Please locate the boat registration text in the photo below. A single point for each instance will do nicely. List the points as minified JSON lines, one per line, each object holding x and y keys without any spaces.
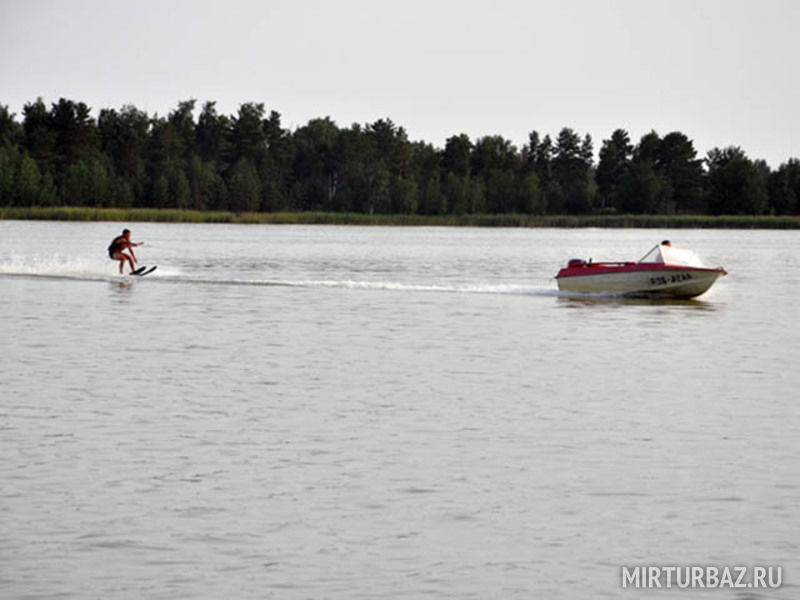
{"x":664,"y":280}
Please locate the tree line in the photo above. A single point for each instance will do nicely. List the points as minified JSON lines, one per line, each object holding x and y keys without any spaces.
{"x":249,"y":162}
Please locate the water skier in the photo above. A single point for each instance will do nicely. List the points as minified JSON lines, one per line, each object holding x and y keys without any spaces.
{"x":120,"y":243}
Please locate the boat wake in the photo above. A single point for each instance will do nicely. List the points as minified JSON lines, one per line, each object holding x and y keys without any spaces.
{"x":469,"y":288}
{"x":95,"y":273}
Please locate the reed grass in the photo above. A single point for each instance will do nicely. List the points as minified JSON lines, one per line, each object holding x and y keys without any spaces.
{"x":133,"y":215}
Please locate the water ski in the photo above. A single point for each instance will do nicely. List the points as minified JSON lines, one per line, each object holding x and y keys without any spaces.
{"x":142,"y":271}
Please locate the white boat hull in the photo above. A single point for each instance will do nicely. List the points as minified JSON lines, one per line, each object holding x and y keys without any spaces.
{"x":671,"y":282}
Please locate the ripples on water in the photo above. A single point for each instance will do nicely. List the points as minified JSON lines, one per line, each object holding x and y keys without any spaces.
{"x":331,"y":412}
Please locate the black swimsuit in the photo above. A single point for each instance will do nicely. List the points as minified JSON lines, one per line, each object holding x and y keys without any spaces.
{"x":116,"y":246}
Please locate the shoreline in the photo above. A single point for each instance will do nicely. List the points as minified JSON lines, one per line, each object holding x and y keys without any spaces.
{"x":144,"y":215}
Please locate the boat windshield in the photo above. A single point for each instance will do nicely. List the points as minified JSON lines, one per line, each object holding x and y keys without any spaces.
{"x":654,"y":256}
{"x":662,"y":254}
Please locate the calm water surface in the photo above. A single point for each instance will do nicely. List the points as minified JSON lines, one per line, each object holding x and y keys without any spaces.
{"x":336,"y":412}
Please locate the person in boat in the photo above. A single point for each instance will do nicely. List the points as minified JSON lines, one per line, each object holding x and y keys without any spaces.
{"x":117,"y":247}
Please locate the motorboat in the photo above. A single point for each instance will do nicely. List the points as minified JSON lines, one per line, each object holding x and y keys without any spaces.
{"x":665,"y":271}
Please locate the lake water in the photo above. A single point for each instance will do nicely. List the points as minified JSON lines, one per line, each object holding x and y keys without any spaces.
{"x":359,"y":413}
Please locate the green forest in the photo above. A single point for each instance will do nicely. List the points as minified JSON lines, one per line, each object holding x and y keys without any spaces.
{"x":248,"y":162}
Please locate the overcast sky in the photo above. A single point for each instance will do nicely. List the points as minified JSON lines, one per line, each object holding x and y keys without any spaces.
{"x":724,"y":72}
